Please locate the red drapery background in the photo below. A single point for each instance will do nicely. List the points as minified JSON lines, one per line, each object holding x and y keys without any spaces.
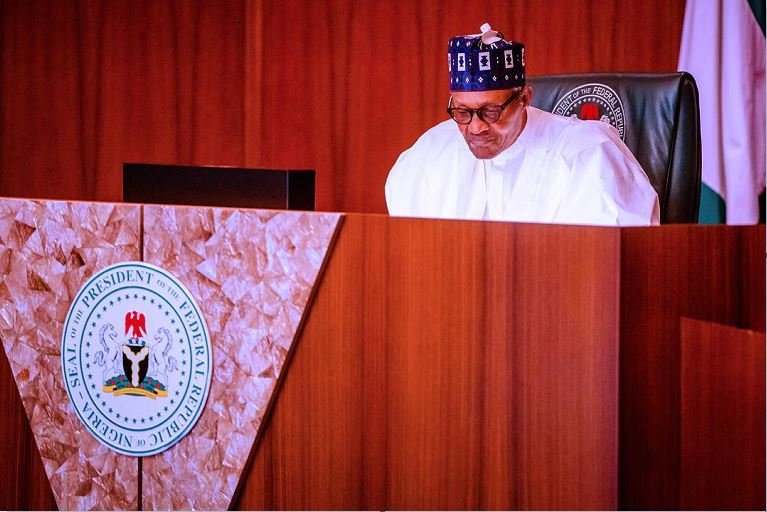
{"x":340,"y":86}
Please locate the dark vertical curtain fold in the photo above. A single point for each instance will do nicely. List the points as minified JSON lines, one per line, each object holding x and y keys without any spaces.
{"x":340,"y":86}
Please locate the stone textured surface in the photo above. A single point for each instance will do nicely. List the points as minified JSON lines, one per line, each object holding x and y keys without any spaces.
{"x":47,"y":251}
{"x":251,"y":273}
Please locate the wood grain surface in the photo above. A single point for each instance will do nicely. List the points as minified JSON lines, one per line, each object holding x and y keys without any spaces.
{"x":722,"y":417}
{"x":710,"y":273}
{"x":24,"y":485}
{"x":451,"y":365}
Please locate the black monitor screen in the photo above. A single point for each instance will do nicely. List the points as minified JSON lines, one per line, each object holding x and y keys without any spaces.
{"x":218,"y":186}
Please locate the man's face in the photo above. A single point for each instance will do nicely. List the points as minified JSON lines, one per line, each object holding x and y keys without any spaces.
{"x":487,"y":140}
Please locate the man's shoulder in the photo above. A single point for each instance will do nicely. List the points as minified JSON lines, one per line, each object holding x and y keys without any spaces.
{"x":433,"y":152}
{"x":569,"y":125}
{"x":434,"y":145}
{"x":444,"y":132}
{"x":570,"y":134}
{"x":437,"y":142}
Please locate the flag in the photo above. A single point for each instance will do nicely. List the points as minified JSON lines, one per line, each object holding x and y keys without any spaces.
{"x":723,"y":47}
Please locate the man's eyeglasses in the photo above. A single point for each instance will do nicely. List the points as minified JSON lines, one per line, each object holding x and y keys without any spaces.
{"x":488,"y":114}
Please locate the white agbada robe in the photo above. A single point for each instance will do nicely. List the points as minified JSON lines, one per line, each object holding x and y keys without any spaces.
{"x":559,"y":170}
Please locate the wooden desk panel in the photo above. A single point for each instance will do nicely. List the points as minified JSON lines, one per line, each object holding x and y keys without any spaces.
{"x":465,"y":365}
{"x":722,"y":417}
{"x":406,"y":391}
{"x":24,"y":485}
{"x":711,"y":273}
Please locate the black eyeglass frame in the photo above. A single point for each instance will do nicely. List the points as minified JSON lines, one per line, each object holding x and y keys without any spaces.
{"x":482,"y":111}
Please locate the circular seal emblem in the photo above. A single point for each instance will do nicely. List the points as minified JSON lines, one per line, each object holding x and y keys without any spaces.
{"x":596,"y":102}
{"x":136,"y":358}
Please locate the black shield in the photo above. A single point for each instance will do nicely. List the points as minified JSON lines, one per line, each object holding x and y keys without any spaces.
{"x":143,"y":364}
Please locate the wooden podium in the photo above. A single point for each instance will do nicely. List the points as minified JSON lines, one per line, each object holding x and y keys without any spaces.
{"x":483,"y":365}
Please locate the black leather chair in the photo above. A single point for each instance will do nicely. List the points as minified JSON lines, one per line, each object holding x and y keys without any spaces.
{"x":658,"y":118}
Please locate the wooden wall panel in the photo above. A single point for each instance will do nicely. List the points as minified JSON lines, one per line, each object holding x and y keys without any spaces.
{"x":711,"y":273}
{"x":723,"y":423}
{"x":341,"y":86}
{"x":424,"y":379}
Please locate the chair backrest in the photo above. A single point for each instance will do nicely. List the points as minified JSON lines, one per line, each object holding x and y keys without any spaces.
{"x":658,"y":118}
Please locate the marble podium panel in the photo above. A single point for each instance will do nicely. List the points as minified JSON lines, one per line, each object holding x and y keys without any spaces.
{"x":252,"y":273}
{"x":48,"y":249}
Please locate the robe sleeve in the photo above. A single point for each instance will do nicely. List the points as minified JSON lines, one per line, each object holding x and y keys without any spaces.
{"x":399,"y":184}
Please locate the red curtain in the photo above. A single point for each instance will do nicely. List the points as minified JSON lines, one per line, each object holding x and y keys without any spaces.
{"x":340,"y":86}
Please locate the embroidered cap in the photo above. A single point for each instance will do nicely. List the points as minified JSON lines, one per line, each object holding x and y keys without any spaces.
{"x":485,"y":62}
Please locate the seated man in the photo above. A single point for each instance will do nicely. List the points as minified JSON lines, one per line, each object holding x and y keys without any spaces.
{"x":501,"y":159}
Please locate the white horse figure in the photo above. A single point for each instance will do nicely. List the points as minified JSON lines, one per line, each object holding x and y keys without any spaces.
{"x":161,"y":362}
{"x":111,"y":356}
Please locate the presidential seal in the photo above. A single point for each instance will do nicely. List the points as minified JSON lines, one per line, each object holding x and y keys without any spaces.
{"x":596,"y":102}
{"x":136,"y":358}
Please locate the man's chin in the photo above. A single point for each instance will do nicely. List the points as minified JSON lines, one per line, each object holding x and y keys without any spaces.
{"x":483,"y":152}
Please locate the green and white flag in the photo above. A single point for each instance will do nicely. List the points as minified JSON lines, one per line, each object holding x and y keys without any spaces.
{"x":723,"y":46}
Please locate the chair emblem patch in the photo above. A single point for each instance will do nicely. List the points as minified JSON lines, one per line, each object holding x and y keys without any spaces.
{"x":596,"y":102}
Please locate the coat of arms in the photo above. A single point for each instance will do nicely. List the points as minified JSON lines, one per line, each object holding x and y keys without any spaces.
{"x":136,"y":367}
